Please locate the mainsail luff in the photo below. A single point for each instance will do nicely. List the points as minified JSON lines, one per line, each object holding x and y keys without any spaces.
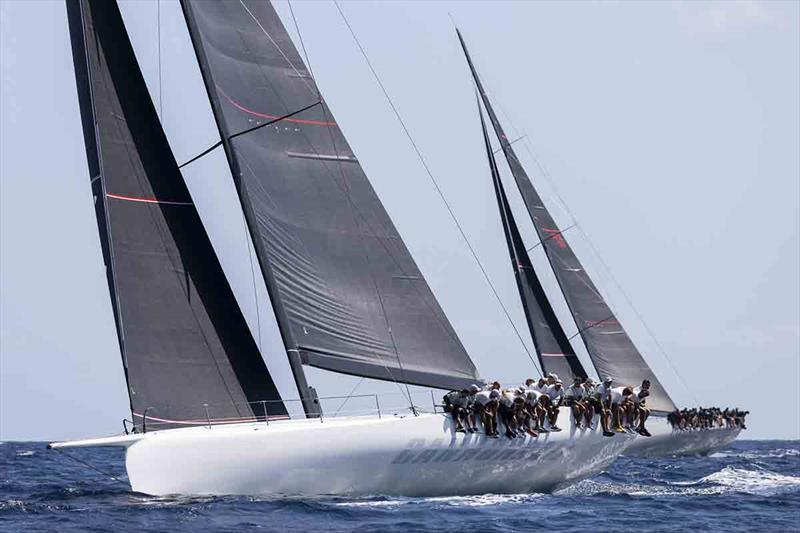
{"x":337,"y":268}
{"x":610,"y":348}
{"x":552,"y":346}
{"x":188,"y":352}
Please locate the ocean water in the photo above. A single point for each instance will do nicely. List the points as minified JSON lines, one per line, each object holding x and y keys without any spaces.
{"x":752,"y":485}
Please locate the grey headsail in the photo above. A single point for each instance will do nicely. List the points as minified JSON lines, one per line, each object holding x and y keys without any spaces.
{"x":552,"y":346}
{"x":347,"y":293}
{"x":183,"y":338}
{"x":611,"y":349}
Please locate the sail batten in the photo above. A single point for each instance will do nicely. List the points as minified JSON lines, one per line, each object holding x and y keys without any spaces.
{"x":611,"y":350}
{"x":183,"y":338}
{"x":347,"y":293}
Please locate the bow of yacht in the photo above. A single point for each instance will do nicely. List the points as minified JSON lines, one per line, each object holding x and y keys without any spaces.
{"x":666,"y":442}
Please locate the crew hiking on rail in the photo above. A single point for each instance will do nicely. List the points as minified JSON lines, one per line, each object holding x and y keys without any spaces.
{"x":533,"y":408}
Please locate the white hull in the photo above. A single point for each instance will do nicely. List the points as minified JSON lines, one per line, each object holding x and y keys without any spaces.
{"x":665,"y":442}
{"x":408,"y":456}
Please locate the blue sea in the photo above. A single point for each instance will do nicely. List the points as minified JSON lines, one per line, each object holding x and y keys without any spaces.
{"x":753,"y":485}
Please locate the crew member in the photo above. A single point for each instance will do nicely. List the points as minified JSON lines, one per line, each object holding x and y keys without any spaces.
{"x":556,"y":393}
{"x":541,"y":386}
{"x":641,"y":411}
{"x":574,"y":399}
{"x":531,"y":413}
{"x":619,"y":404}
{"x":603,"y":393}
{"x":506,"y":412}
{"x":455,"y":403}
{"x":485,"y":409}
{"x":591,"y":402}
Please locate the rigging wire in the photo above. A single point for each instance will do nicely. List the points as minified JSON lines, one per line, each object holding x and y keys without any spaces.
{"x":160,"y":93}
{"x":435,"y":183}
{"x":302,"y":43}
{"x":349,"y":395}
{"x":89,"y":465}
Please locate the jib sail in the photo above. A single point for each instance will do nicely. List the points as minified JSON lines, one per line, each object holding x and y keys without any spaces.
{"x":610,"y":348}
{"x":187,"y":351}
{"x":552,"y":346}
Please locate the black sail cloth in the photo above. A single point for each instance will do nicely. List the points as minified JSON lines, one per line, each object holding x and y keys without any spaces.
{"x":552,"y":346}
{"x":610,"y":348}
{"x":348,"y":295}
{"x":186,"y":347}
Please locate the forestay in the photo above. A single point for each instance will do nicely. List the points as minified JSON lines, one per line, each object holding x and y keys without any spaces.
{"x":610,"y":348}
{"x":347,"y":293}
{"x":552,"y":346}
{"x":183,"y":339}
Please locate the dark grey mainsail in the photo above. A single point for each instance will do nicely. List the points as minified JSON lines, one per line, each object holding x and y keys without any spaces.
{"x":552,"y":346}
{"x":347,"y":293}
{"x":183,"y":338}
{"x":610,"y":348}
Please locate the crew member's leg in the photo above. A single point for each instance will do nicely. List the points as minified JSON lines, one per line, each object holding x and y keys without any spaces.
{"x":577,"y":412}
{"x":588,"y":414}
{"x":644,"y":413}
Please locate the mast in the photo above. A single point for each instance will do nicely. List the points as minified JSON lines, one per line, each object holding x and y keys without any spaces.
{"x":552,"y":346}
{"x":348,"y":295}
{"x":308,"y":396}
{"x":611,"y":350}
{"x":188,"y":352}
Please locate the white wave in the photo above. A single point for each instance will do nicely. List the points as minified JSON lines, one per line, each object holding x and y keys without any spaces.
{"x":12,"y":504}
{"x":727,"y":480}
{"x":770,"y":454}
{"x":482,"y":500}
{"x":25,"y":454}
{"x":758,"y":481}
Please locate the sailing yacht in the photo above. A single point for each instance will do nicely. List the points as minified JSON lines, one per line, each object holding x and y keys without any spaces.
{"x":212,"y":410}
{"x":610,"y":348}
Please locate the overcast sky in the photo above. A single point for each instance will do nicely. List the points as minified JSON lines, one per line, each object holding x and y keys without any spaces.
{"x":671,"y":131}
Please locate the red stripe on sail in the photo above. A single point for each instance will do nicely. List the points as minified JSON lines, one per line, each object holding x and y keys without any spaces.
{"x":240,"y":107}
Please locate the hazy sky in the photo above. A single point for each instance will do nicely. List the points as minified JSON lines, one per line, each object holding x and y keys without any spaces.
{"x":671,"y":130}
